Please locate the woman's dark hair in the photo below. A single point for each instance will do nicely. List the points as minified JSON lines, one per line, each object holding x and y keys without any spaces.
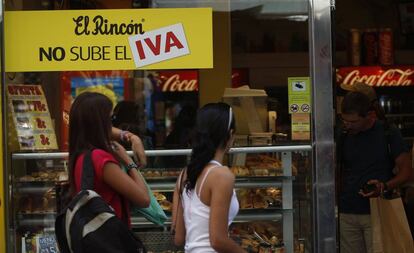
{"x":89,"y":126}
{"x":356,"y":102}
{"x":126,"y":116}
{"x":182,"y":128}
{"x":212,"y":132}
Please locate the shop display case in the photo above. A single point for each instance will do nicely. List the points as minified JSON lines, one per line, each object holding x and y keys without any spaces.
{"x":270,"y":185}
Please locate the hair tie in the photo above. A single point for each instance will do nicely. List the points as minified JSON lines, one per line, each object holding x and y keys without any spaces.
{"x":230,"y":117}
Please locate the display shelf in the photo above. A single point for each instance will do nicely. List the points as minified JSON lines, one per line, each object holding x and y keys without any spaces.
{"x":33,"y":189}
{"x":37,"y":220}
{"x":239,"y":184}
{"x":283,"y":211}
{"x":270,"y":214}
{"x":395,"y":115}
{"x":402,"y":57}
{"x":171,"y":152}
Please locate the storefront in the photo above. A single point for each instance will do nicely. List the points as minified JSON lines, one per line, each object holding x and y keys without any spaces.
{"x":159,"y":61}
{"x":376,"y":47}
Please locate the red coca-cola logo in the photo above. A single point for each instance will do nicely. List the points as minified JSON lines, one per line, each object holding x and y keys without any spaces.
{"x":179,"y":81}
{"x":376,"y":76}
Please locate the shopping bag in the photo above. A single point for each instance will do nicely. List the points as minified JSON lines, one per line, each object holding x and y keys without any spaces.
{"x":390,"y":230}
{"x":154,"y":211}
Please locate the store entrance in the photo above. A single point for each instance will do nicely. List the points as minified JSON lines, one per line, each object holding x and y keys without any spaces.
{"x":374,"y":55}
{"x":158,"y":62}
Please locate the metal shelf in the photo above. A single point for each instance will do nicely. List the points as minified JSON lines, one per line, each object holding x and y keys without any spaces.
{"x":239,"y":184}
{"x":38,"y":221}
{"x":161,"y":186}
{"x":259,"y":215}
{"x":392,"y":115}
{"x":33,"y":189}
{"x":268,"y":215}
{"x":170,"y":152}
{"x":276,"y":215}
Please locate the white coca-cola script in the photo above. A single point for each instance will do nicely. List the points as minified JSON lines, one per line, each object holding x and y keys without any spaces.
{"x":389,"y":77}
{"x":173,"y":83}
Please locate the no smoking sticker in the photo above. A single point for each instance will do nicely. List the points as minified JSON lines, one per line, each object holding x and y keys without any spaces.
{"x":305,"y":108}
{"x":294,"y":108}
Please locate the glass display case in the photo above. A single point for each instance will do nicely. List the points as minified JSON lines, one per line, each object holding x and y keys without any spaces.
{"x":270,"y":185}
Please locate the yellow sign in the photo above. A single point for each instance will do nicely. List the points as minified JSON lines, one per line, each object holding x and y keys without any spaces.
{"x":301,"y":126}
{"x":72,"y":40}
{"x":31,"y":117}
{"x":299,"y":92}
{"x":2,"y":187}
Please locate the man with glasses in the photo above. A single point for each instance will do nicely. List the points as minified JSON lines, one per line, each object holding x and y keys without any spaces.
{"x":368,"y":150}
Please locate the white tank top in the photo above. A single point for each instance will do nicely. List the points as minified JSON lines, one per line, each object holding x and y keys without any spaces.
{"x":197,"y":216}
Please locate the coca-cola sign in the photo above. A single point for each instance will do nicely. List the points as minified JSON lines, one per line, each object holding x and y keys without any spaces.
{"x":376,"y":75}
{"x":178,"y":81}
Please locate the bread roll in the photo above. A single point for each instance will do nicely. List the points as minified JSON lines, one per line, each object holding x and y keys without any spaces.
{"x":26,"y":178}
{"x":166,"y":205}
{"x":159,"y":196}
{"x":258,"y":202}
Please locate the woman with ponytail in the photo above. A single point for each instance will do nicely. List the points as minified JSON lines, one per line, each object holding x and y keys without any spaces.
{"x":205,"y":202}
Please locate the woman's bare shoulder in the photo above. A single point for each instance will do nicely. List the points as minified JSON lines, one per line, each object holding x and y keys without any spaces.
{"x":222,"y":173}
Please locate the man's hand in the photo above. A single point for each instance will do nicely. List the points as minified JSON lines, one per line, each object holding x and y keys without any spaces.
{"x":379,"y":189}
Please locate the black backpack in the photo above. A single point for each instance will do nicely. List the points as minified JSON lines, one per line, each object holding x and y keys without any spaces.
{"x":89,"y":224}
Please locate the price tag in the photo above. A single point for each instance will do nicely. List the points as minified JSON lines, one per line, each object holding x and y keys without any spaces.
{"x":47,"y":244}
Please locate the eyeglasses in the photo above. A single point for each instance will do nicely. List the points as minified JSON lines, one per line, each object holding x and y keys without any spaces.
{"x":353,"y":121}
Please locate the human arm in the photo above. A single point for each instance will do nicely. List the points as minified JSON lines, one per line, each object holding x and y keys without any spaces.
{"x":221,"y":195}
{"x":177,"y":215}
{"x":130,"y":185}
{"x":136,"y":144}
{"x":398,"y":150}
{"x":403,"y":163}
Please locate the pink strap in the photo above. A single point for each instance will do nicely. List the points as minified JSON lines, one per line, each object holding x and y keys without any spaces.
{"x":204,"y":179}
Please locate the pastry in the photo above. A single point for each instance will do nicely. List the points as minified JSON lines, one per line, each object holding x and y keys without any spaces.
{"x":26,"y":205}
{"x":26,"y":178}
{"x":166,"y":205}
{"x":45,"y":204}
{"x":261,"y":172}
{"x":62,"y":176}
{"x":246,"y":201}
{"x":273,"y":192}
{"x":44,"y":175}
{"x":274,"y":240}
{"x":269,"y":200}
{"x":244,"y":172}
{"x":159,"y":196}
{"x":234,"y":170}
{"x":258,"y":202}
{"x":294,"y":170}
{"x":149,"y":173}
